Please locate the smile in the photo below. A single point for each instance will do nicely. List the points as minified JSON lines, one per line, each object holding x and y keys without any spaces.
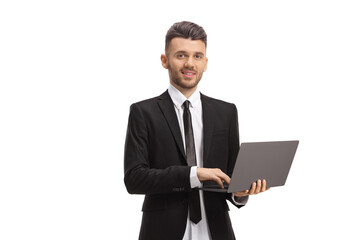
{"x":188,"y":73}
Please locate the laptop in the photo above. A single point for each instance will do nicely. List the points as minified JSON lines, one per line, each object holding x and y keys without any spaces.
{"x":259,"y":160}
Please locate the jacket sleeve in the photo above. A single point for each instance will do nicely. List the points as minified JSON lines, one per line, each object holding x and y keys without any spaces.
{"x":139,"y":177}
{"x":234,"y":146}
{"x":234,"y":143}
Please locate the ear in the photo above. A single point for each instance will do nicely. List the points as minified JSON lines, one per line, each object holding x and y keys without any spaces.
{"x":164,"y":61}
{"x":206,"y":65}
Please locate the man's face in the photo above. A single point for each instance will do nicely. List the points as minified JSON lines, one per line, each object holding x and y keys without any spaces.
{"x":186,"y":61}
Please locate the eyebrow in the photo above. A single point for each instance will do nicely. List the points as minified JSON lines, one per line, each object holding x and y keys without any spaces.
{"x":184,"y":52}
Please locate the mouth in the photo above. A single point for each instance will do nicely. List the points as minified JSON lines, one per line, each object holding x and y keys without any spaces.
{"x":188,"y":74}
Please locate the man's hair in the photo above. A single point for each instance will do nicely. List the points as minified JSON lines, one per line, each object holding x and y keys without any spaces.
{"x":187,"y":30}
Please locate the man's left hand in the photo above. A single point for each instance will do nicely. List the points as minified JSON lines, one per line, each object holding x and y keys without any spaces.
{"x":256,"y":187}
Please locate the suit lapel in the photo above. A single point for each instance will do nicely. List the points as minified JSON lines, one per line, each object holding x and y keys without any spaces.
{"x":167,"y":107}
{"x":208,"y":124}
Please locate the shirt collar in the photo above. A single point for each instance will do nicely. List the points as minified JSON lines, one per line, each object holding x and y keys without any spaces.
{"x":178,"y":98}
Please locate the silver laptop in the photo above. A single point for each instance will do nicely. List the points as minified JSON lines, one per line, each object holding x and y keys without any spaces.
{"x":259,"y":160}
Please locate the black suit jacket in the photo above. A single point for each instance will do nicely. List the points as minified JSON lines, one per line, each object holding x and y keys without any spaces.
{"x":155,"y":165}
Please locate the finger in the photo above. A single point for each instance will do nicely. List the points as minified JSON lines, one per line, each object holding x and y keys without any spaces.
{"x":227,"y":179}
{"x":263,"y":186}
{"x":218,"y":180}
{"x":252,"y":190}
{"x":258,"y":186}
{"x":223,"y":176}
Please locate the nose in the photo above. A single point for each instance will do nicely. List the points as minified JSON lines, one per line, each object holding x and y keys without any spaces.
{"x":189,"y":63}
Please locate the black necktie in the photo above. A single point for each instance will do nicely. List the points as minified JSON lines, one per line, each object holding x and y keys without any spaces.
{"x":194,"y":203}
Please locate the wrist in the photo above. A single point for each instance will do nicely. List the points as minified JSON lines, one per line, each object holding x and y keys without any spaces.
{"x":194,"y":179}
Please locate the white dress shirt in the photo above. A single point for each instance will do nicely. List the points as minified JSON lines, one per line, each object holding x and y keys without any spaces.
{"x":199,"y":231}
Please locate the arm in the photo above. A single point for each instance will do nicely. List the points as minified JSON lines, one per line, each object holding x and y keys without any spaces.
{"x":240,"y":198}
{"x":139,"y":177}
{"x":234,"y":146}
{"x":234,"y":143}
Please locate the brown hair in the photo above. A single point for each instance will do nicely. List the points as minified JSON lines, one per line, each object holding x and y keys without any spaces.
{"x":186,"y":30}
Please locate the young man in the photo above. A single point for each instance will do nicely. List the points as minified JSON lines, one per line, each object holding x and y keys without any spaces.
{"x":178,"y":140}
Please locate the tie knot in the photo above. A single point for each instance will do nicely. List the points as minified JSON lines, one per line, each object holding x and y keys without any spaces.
{"x":186,"y":104}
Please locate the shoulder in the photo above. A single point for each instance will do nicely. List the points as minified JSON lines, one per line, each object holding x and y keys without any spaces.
{"x":218,"y":104}
{"x":148,"y":104}
{"x":143,"y":104}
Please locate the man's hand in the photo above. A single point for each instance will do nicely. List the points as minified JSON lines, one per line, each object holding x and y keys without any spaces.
{"x":256,"y":187}
{"x":213,"y":174}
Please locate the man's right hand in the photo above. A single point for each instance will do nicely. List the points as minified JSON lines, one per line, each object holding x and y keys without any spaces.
{"x":213,"y":174}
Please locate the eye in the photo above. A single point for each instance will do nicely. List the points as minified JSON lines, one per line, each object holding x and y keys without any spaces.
{"x":181,"y":56}
{"x":198,"y":56}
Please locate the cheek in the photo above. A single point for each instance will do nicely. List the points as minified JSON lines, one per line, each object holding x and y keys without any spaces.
{"x":177,"y":63}
{"x":202,"y":67}
{"x":205,"y":65}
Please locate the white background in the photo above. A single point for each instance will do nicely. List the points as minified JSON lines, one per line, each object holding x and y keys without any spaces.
{"x":69,"y":71}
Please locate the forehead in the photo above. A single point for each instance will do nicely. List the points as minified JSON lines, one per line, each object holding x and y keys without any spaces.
{"x":186,"y":45}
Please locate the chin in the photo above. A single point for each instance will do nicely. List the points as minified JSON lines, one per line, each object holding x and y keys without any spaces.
{"x":189,"y":83}
{"x":186,"y":84}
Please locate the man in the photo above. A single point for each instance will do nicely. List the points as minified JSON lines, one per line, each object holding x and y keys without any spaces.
{"x":178,"y":140}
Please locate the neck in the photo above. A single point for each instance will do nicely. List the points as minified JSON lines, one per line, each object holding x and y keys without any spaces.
{"x":187,"y":92}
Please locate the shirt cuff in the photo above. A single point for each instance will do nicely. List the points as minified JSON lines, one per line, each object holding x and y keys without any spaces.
{"x":239,"y":200}
{"x":194,"y":180}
